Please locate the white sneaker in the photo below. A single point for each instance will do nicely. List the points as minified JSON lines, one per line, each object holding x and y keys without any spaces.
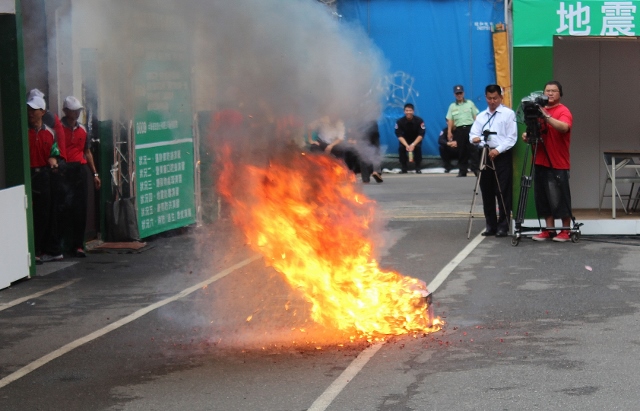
{"x":45,"y":258}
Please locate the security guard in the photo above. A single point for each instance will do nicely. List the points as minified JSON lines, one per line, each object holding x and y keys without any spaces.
{"x":460,"y":117}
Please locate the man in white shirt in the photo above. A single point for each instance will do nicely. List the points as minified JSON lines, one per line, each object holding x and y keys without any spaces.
{"x":495,"y":130}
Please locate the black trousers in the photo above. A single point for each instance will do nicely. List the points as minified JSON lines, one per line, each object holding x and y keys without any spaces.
{"x":552,"y":192}
{"x":59,"y":204}
{"x":448,"y":154}
{"x":76,"y":212}
{"x":491,"y":188}
{"x":404,"y":157}
{"x":41,"y":197}
{"x":337,"y":150}
{"x":461,"y":136}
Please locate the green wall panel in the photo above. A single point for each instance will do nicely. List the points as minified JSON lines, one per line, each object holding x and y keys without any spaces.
{"x":532,"y":68}
{"x":14,"y":113}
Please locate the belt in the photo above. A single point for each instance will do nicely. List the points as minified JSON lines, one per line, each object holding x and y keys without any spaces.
{"x":467,"y":126}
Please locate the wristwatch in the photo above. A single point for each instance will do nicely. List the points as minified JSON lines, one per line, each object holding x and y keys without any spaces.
{"x":95,"y":174}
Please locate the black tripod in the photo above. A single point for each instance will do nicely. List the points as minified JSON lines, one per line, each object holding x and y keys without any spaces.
{"x":534,"y":140}
{"x":484,"y":156}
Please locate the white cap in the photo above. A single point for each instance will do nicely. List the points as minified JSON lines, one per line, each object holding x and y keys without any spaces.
{"x":72,"y":103}
{"x":36,"y":103}
{"x":35,"y":93}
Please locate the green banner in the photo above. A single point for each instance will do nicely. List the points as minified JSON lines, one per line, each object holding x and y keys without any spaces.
{"x":535,"y":22}
{"x":164,"y":144}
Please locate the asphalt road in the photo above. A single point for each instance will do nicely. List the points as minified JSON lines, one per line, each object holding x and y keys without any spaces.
{"x":540,"y":326}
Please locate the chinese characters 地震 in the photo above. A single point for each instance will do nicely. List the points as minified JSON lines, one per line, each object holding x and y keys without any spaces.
{"x":617,"y":18}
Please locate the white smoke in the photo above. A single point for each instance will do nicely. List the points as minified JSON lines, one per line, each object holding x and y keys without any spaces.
{"x":268,"y":58}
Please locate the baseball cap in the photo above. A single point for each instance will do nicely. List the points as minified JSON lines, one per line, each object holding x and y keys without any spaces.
{"x":36,"y":103}
{"x":72,"y":103}
{"x":35,"y":93}
{"x":458,"y":89}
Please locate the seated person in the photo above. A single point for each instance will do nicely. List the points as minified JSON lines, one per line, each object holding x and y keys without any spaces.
{"x":448,"y":150}
{"x":330,"y":136}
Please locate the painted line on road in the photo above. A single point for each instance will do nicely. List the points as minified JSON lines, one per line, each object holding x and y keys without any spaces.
{"x":444,"y":273}
{"x":15,"y":302}
{"x":113,"y":326}
{"x":327,"y":397}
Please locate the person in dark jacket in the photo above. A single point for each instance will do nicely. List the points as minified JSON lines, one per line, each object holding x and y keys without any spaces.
{"x":370,"y":164}
{"x":410,"y":131}
{"x":448,"y":150}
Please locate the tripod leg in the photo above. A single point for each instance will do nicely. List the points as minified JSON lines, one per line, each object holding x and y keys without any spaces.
{"x":483,"y":158}
{"x":503,"y":209}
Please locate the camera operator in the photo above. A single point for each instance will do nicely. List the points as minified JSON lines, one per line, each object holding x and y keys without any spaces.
{"x":495,"y":130}
{"x":551,"y":181}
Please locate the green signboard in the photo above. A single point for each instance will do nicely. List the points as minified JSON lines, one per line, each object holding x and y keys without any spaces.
{"x":164,"y":144}
{"x":537,"y":21}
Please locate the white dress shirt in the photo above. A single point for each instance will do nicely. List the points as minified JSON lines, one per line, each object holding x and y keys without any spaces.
{"x":502,"y":122}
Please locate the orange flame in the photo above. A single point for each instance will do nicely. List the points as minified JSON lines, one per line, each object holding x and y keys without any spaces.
{"x":304,"y":215}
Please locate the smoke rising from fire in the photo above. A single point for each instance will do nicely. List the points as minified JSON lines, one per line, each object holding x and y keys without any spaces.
{"x":266,"y":59}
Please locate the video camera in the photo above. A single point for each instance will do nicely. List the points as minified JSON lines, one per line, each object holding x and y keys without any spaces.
{"x":530,"y":108}
{"x":531,"y":105}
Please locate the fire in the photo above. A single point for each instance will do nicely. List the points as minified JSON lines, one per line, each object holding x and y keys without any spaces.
{"x":305,"y":216}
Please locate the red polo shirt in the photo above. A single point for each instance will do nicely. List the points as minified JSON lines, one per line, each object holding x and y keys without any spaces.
{"x":76,"y":142}
{"x":40,"y":143}
{"x":555,"y":153}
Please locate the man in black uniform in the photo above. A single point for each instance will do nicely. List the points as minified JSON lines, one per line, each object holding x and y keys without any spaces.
{"x":448,"y":150}
{"x":410,"y":132}
{"x":370,"y":154}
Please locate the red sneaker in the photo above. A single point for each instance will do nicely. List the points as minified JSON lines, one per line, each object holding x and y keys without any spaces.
{"x":543,"y":236}
{"x":562,"y":237}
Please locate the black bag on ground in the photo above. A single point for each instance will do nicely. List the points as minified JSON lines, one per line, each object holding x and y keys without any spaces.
{"x":121,"y":220}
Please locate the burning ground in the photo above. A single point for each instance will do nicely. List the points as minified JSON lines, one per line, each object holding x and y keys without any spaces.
{"x":304,"y":214}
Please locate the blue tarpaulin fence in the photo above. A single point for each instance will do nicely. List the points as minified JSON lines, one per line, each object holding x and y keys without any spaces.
{"x":430,"y":45}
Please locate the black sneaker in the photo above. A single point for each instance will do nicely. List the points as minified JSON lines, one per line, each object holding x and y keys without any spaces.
{"x":80,"y":253}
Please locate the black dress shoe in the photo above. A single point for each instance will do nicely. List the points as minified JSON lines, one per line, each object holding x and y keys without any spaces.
{"x":462,"y":175}
{"x":501,"y":234}
{"x":403,"y":172}
{"x":418,"y":171}
{"x":488,"y":233}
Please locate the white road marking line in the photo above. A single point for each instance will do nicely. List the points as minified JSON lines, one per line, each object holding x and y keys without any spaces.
{"x":15,"y":302}
{"x":444,"y":273}
{"x":113,"y":326}
{"x":327,"y":397}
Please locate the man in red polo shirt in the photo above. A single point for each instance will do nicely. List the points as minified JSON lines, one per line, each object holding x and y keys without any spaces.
{"x":552,"y":168}
{"x":42,"y":162}
{"x":78,"y":156}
